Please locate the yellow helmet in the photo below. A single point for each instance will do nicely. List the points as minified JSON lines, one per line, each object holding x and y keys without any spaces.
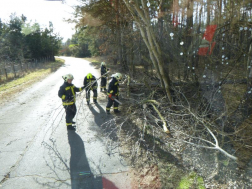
{"x":67,"y":76}
{"x":89,"y":76}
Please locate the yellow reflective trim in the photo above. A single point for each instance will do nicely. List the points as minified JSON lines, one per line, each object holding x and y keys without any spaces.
{"x":111,"y":91}
{"x":94,"y":97}
{"x":80,"y":89}
{"x":67,"y":103}
{"x":115,"y":108}
{"x":107,"y":108}
{"x":72,"y":89}
{"x":68,"y":124}
{"x":67,"y":88}
{"x":63,"y":97}
{"x":116,"y":83}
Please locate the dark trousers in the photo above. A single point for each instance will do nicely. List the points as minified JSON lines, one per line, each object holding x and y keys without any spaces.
{"x":103,"y":82}
{"x":110,"y":103}
{"x":70,"y":113}
{"x":94,"y":94}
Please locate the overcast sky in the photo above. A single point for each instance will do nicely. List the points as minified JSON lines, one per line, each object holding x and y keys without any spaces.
{"x":42,"y":12}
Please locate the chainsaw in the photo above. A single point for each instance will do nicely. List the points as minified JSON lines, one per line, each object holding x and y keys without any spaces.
{"x":113,"y":98}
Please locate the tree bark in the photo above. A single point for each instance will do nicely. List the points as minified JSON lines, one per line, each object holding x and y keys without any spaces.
{"x":142,"y":18}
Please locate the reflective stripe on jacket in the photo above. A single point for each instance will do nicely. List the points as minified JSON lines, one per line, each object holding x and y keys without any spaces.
{"x":103,"y":70}
{"x":67,"y":93}
{"x":113,"y":87}
{"x":87,"y":82}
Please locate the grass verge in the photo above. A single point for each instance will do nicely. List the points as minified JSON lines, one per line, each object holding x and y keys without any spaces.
{"x":10,"y":88}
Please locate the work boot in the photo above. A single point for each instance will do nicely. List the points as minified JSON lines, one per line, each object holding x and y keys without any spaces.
{"x":108,"y":112}
{"x":117,"y":112}
{"x":73,"y":122}
{"x":101,"y":89}
{"x":70,"y":127}
{"x":95,"y":101}
{"x":87,"y":102}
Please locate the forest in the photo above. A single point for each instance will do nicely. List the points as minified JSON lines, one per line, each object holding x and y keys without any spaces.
{"x":187,"y":67}
{"x":22,"y":39}
{"x":24,"y":44}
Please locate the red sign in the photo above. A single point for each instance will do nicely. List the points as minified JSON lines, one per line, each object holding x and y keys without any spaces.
{"x":208,"y":35}
{"x":202,"y":51}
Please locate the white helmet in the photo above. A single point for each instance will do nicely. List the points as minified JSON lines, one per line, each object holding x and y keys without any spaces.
{"x":103,"y":64}
{"x":67,"y":76}
{"x":118,"y":76}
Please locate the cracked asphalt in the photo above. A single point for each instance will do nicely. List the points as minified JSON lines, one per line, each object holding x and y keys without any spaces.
{"x":37,"y":151}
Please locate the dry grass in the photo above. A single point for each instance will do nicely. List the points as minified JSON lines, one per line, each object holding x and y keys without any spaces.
{"x":233,"y":94}
{"x":10,"y":88}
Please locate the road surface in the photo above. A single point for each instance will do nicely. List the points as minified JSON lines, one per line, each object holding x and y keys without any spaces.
{"x":37,"y":151}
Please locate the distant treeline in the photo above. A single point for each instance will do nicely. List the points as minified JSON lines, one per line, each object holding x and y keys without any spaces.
{"x":20,"y":39}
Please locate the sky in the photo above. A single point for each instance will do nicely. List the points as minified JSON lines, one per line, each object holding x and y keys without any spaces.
{"x":42,"y":11}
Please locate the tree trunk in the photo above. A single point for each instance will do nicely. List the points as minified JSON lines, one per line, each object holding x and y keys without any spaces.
{"x":143,"y":22}
{"x":208,"y":12}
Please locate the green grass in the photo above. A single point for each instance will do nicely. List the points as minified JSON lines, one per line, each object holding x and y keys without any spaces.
{"x":191,"y":179}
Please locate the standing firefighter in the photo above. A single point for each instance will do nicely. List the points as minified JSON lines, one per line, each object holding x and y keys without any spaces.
{"x":104,"y":71}
{"x":90,"y":83}
{"x":113,"y":93}
{"x":67,"y":93}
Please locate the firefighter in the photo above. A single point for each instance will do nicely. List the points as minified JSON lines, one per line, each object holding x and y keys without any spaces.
{"x":104,"y":71}
{"x":67,"y":93}
{"x":113,"y":93}
{"x":90,"y":83}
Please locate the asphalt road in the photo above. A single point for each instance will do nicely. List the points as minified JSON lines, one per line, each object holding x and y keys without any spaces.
{"x":37,"y":151}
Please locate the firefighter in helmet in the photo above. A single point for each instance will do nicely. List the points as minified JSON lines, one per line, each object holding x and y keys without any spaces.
{"x":67,"y":93}
{"x":104,"y":71}
{"x":113,"y":92}
{"x":90,"y":83}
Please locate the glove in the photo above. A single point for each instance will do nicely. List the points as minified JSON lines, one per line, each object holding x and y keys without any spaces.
{"x":111,"y":97}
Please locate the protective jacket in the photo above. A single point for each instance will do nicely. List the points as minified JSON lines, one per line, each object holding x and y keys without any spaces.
{"x":67,"y":93}
{"x":87,"y":82}
{"x":113,"y":87}
{"x":104,"y":70}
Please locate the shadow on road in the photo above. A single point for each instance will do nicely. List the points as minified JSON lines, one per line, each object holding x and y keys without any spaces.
{"x":81,"y":175}
{"x":106,"y":122}
{"x":99,"y":116}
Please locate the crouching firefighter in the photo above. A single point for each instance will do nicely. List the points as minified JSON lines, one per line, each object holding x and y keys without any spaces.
{"x":104,"y":71}
{"x":67,"y":93}
{"x":90,"y":83}
{"x":113,"y":93}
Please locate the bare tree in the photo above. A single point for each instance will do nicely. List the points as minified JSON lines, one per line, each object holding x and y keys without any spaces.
{"x":142,"y":18}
